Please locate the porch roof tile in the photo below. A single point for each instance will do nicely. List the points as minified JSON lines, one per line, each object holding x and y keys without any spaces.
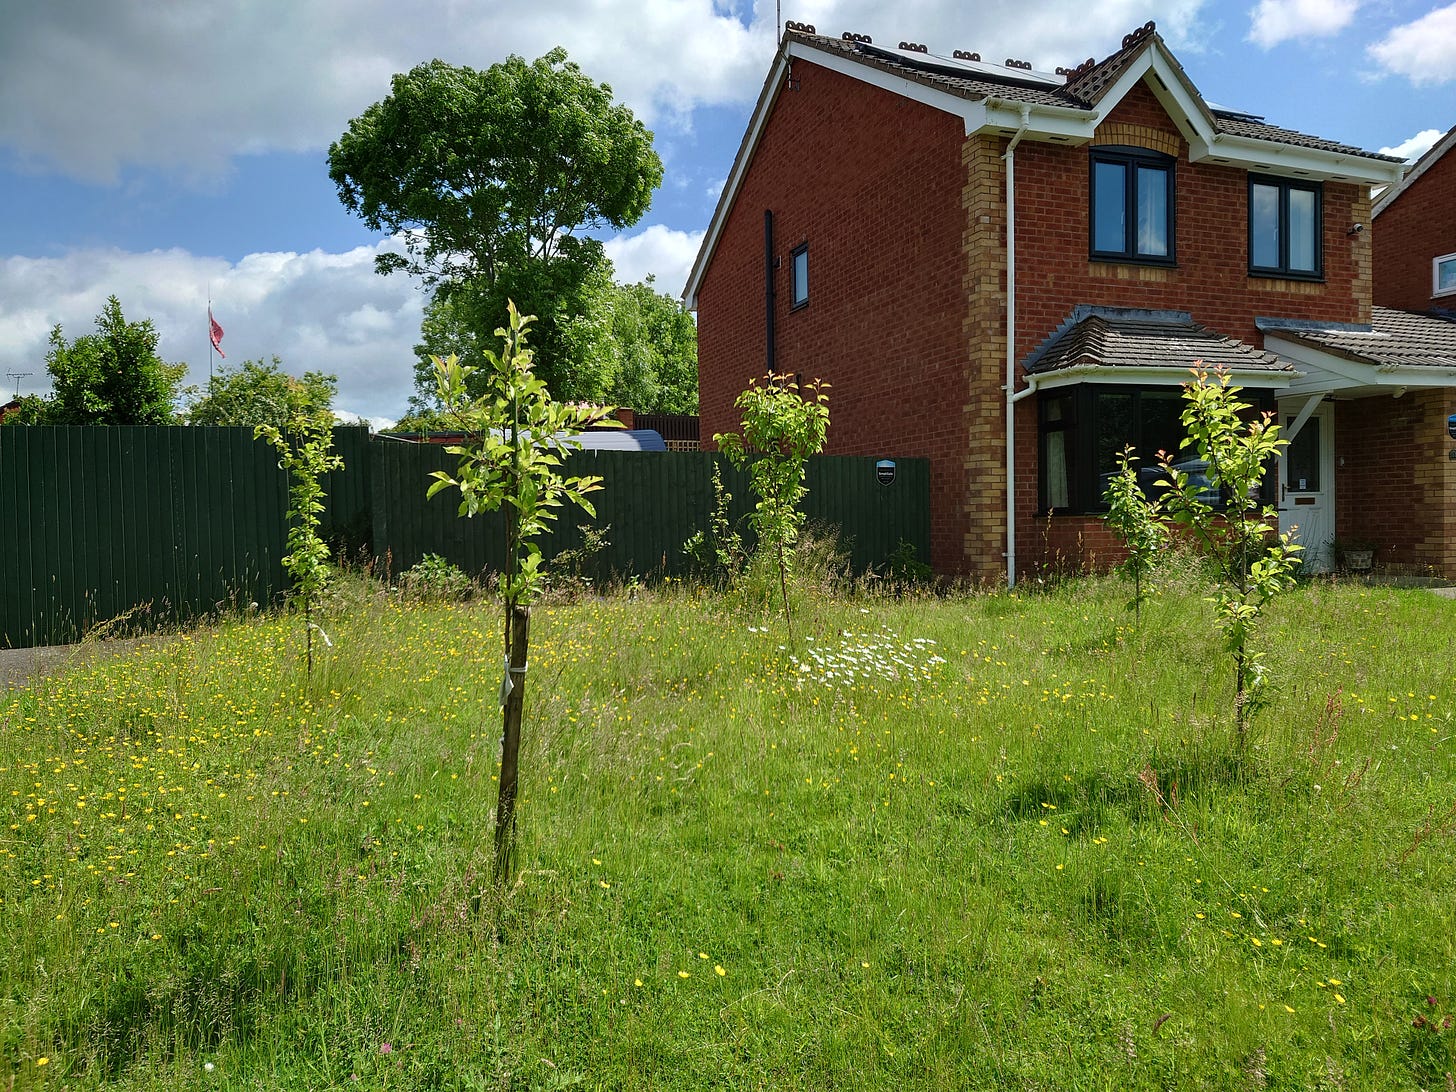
{"x":1112,"y":337}
{"x":1393,"y":338}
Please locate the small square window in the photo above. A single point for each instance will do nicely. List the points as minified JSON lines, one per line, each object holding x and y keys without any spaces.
{"x":1443,"y":275}
{"x":1285,"y":225}
{"x":799,"y":267}
{"x":1132,"y":205}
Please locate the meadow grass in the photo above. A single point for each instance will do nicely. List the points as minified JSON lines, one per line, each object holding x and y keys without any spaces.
{"x":978,"y":842}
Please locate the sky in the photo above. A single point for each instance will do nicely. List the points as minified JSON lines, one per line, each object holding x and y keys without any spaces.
{"x":168,"y":151}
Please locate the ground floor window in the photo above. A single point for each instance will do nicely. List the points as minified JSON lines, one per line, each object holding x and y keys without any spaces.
{"x":1084,"y":428}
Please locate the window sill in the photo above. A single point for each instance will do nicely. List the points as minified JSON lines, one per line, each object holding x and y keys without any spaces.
{"x":1282,"y":275}
{"x":1122,"y":259}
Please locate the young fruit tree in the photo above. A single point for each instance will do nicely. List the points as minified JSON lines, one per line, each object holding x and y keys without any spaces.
{"x":782,"y":427}
{"x":1252,"y":562}
{"x":1136,"y":522}
{"x":305,"y":451}
{"x":515,"y":439}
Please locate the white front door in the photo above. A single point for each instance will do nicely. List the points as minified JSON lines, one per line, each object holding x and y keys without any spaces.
{"x":1307,"y":484}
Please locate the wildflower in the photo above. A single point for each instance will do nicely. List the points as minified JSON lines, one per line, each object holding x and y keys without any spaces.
{"x":717,"y":969}
{"x":385,"y":1048}
{"x":683,"y":974}
{"x":42,"y":1061}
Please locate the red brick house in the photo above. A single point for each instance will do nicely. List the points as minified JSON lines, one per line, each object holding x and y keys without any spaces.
{"x":863,"y":237}
{"x":1414,"y":224}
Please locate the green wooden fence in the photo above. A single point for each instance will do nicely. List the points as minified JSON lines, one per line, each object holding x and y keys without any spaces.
{"x":157,"y":524}
{"x":649,"y":505}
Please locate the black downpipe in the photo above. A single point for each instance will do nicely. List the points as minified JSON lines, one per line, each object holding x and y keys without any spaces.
{"x":768,"y":285}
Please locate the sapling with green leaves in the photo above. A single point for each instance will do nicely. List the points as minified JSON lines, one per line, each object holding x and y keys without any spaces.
{"x":782,"y":428}
{"x":717,"y":551}
{"x":1134,"y":519}
{"x":305,"y":452}
{"x":515,"y":439}
{"x":1252,"y":561}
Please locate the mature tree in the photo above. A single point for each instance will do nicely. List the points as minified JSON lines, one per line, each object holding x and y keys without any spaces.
{"x":655,"y":342}
{"x":630,"y":346}
{"x":486,"y":176}
{"x":111,"y":377}
{"x":255,"y":393}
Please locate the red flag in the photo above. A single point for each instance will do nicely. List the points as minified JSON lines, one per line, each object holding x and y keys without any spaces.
{"x":216,"y":330}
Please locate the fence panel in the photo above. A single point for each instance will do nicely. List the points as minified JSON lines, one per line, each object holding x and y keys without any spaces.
{"x":168,"y":522}
{"x":650,"y":504}
{"x":164,"y":522}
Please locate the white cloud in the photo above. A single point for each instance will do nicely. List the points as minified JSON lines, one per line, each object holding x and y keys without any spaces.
{"x":1417,"y":146}
{"x":185,"y":85}
{"x":661,"y":251}
{"x":316,"y":311}
{"x":1276,"y":21}
{"x":1423,"y":51}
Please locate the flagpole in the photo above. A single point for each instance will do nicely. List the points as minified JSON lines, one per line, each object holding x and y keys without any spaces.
{"x":209,"y":334}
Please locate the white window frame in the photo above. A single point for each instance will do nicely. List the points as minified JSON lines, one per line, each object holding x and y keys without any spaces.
{"x":1436,"y":264}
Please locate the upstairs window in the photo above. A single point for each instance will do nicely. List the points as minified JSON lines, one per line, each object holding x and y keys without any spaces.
{"x":1443,"y":275}
{"x":799,"y":274}
{"x":1285,"y":219}
{"x":1132,"y":205}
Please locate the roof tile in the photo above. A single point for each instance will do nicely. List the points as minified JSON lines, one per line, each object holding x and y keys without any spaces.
{"x":1110,"y":337}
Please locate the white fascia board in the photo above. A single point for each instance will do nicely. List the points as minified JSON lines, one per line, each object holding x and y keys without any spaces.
{"x":1062,"y":124}
{"x":1291,"y":160}
{"x":1155,"y":377}
{"x":1329,"y":372}
{"x":1170,"y":88}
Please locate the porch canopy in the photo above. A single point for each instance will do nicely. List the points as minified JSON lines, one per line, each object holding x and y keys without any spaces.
{"x":1396,"y":352}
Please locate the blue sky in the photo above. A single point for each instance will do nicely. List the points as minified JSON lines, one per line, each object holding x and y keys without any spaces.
{"x":159,"y":151}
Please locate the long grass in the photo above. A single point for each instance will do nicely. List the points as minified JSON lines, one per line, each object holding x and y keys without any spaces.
{"x":996,"y":841}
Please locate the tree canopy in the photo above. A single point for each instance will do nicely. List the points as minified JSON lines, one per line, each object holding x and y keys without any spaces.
{"x":111,"y":377}
{"x":254,"y":393}
{"x":486,"y":176}
{"x":629,"y":345}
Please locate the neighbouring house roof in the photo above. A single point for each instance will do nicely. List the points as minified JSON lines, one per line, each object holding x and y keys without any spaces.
{"x":1064,"y":107}
{"x":1425,"y":163}
{"x":1393,"y":340}
{"x":1096,"y":340}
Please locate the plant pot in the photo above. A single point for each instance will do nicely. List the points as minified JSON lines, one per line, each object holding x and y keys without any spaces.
{"x":1358,"y":561}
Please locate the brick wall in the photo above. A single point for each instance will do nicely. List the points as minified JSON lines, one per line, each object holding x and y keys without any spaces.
{"x":1396,"y":481}
{"x":874,"y":185}
{"x":1417,"y":227}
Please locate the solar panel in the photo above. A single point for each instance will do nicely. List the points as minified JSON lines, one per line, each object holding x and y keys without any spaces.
{"x":959,"y":66}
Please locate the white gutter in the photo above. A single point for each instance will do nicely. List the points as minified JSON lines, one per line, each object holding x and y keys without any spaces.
{"x":1010,"y":157}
